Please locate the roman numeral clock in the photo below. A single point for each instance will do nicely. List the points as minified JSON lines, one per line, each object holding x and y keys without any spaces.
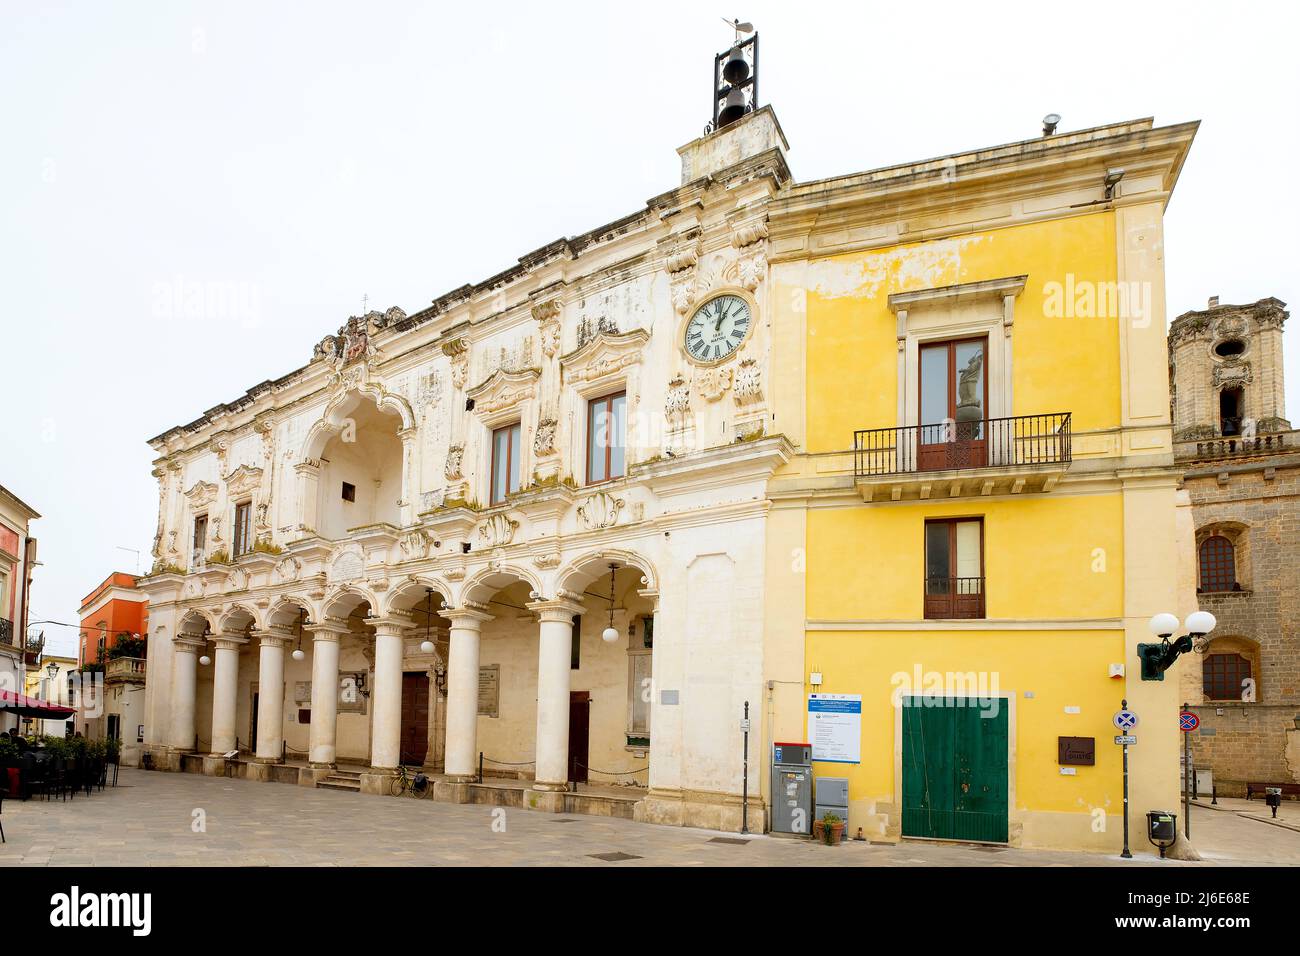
{"x":718,"y":329}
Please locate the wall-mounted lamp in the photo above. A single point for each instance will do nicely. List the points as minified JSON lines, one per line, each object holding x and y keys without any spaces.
{"x":1113,"y":176}
{"x":1049,"y":123}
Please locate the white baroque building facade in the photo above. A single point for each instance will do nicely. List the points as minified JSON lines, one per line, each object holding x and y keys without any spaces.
{"x":404,"y":552}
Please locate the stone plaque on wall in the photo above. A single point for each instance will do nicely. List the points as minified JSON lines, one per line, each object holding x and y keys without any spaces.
{"x":301,"y":691}
{"x":489,"y":690}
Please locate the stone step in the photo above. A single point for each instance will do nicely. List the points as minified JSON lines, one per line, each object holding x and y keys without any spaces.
{"x":350,"y":774}
{"x":334,"y":782}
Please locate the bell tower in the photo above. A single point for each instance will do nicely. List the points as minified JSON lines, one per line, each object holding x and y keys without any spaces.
{"x":740,"y":129}
{"x":1225,"y":371}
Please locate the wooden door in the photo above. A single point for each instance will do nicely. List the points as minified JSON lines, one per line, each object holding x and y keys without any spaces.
{"x":415,"y":718}
{"x":252,"y":727}
{"x":955,"y":769}
{"x":579,"y":734}
{"x":953,"y":405}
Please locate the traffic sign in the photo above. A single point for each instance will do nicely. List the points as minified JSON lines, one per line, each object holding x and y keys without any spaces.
{"x":1125,"y":719}
{"x":1187,"y":721}
{"x":1127,"y":741}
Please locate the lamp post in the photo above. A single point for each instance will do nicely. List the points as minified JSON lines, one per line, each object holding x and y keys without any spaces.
{"x":1158,"y":658}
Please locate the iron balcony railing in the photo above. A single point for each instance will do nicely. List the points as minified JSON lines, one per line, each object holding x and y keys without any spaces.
{"x":947,"y":598}
{"x":7,"y":632}
{"x":979,"y":443}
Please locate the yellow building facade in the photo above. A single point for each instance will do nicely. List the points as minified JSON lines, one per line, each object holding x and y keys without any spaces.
{"x":982,"y":513}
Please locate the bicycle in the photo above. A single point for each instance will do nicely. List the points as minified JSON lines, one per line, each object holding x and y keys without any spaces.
{"x":417,"y":785}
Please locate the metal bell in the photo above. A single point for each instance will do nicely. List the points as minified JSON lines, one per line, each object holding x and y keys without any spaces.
{"x":736,"y":69}
{"x":733,"y":108}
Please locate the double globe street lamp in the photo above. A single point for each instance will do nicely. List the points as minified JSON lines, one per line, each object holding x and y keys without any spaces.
{"x":1158,"y":658}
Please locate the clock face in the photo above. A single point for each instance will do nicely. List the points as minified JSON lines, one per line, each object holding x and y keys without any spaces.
{"x":718,"y":328}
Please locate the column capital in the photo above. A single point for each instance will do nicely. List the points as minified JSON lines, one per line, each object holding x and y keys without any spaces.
{"x":330,"y":629}
{"x":466,"y":618}
{"x":559,"y":611}
{"x":229,"y":642}
{"x":189,"y":643}
{"x":393,"y":623}
{"x":277,"y":635}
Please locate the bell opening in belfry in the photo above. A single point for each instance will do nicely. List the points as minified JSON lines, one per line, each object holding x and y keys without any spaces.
{"x":735,"y":77}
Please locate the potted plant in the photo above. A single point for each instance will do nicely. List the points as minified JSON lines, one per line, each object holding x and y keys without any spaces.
{"x":829,"y":829}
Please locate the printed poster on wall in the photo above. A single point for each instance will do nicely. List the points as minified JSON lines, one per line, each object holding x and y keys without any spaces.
{"x":835,"y":727}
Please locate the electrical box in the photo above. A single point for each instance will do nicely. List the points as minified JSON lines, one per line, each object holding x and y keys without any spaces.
{"x":792,"y":788}
{"x":832,"y":796}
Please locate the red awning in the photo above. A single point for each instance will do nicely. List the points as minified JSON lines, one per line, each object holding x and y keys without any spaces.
{"x":24,"y":706}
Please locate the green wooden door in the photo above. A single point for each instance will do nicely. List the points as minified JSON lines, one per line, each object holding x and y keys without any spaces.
{"x":954,"y":771}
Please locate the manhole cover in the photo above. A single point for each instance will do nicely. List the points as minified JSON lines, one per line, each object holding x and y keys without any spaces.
{"x":616,"y":857}
{"x":730,"y":841}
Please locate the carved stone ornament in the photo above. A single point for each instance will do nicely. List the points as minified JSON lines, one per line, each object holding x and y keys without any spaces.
{"x":504,"y":390}
{"x":712,"y":383}
{"x":547,"y":561}
{"x":414,"y":544}
{"x":547,"y":315}
{"x":287,"y":569}
{"x":601,"y":510}
{"x":202,"y":494}
{"x":347,"y":564}
{"x":1234,"y":373}
{"x":749,"y":234}
{"x":544,"y":439}
{"x":238,"y":580}
{"x":751,"y":270}
{"x":684,"y":258}
{"x":243,"y":480}
{"x":455,"y":453}
{"x":458,"y":351}
{"x":497,"y":531}
{"x":607,"y":355}
{"x":748,"y":386}
{"x":683,"y":294}
{"x":677,"y":406}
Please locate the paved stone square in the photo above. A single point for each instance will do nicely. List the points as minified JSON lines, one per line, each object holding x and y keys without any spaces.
{"x":150,"y":819}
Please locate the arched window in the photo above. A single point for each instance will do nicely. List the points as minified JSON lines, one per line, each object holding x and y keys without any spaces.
{"x":1226,"y":677}
{"x":1218,"y":567}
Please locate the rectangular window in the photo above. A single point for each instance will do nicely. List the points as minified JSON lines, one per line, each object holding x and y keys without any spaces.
{"x":606,"y":437}
{"x":1225,"y":676}
{"x":349,"y":491}
{"x":575,"y":650}
{"x":505,"y":462}
{"x":954,"y":568}
{"x":200,"y":538}
{"x":243,"y":538}
{"x":954,"y":405}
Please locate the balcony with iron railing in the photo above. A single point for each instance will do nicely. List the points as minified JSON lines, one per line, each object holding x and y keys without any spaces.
{"x":8,"y":636}
{"x":954,"y":598}
{"x":962,"y":458}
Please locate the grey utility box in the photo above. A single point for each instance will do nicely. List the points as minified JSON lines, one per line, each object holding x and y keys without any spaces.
{"x":832,"y":797}
{"x":792,"y":788}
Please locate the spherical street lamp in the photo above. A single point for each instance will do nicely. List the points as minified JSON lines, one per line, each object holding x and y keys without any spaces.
{"x":1163,"y":625}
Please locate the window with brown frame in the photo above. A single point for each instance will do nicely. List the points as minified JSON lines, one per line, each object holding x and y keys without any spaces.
{"x":1225,"y":676}
{"x":954,"y":568}
{"x":606,"y":437}
{"x":242,"y":534}
{"x":200,"y":535}
{"x":505,"y":462}
{"x":1218,"y":564}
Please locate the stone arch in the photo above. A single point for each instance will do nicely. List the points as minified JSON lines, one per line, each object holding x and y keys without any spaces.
{"x":196,"y":623}
{"x":342,"y":601}
{"x":285,"y":611}
{"x":581,"y":571}
{"x":1240,"y":646}
{"x":410,"y":594}
{"x":342,"y":405}
{"x":238,"y":617}
{"x":486,"y":582}
{"x":1237,"y":534}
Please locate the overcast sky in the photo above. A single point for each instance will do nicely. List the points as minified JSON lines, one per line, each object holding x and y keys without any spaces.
{"x":297,"y":157}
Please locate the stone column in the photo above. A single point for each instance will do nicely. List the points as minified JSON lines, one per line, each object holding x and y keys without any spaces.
{"x":308,"y":493}
{"x":462,"y":692}
{"x":323,"y":735}
{"x":270,"y":691}
{"x":554,"y":657}
{"x":225,"y":685}
{"x":184,"y":677}
{"x":386,"y":695}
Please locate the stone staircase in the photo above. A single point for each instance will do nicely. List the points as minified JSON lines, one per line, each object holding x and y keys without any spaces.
{"x":341,"y":780}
